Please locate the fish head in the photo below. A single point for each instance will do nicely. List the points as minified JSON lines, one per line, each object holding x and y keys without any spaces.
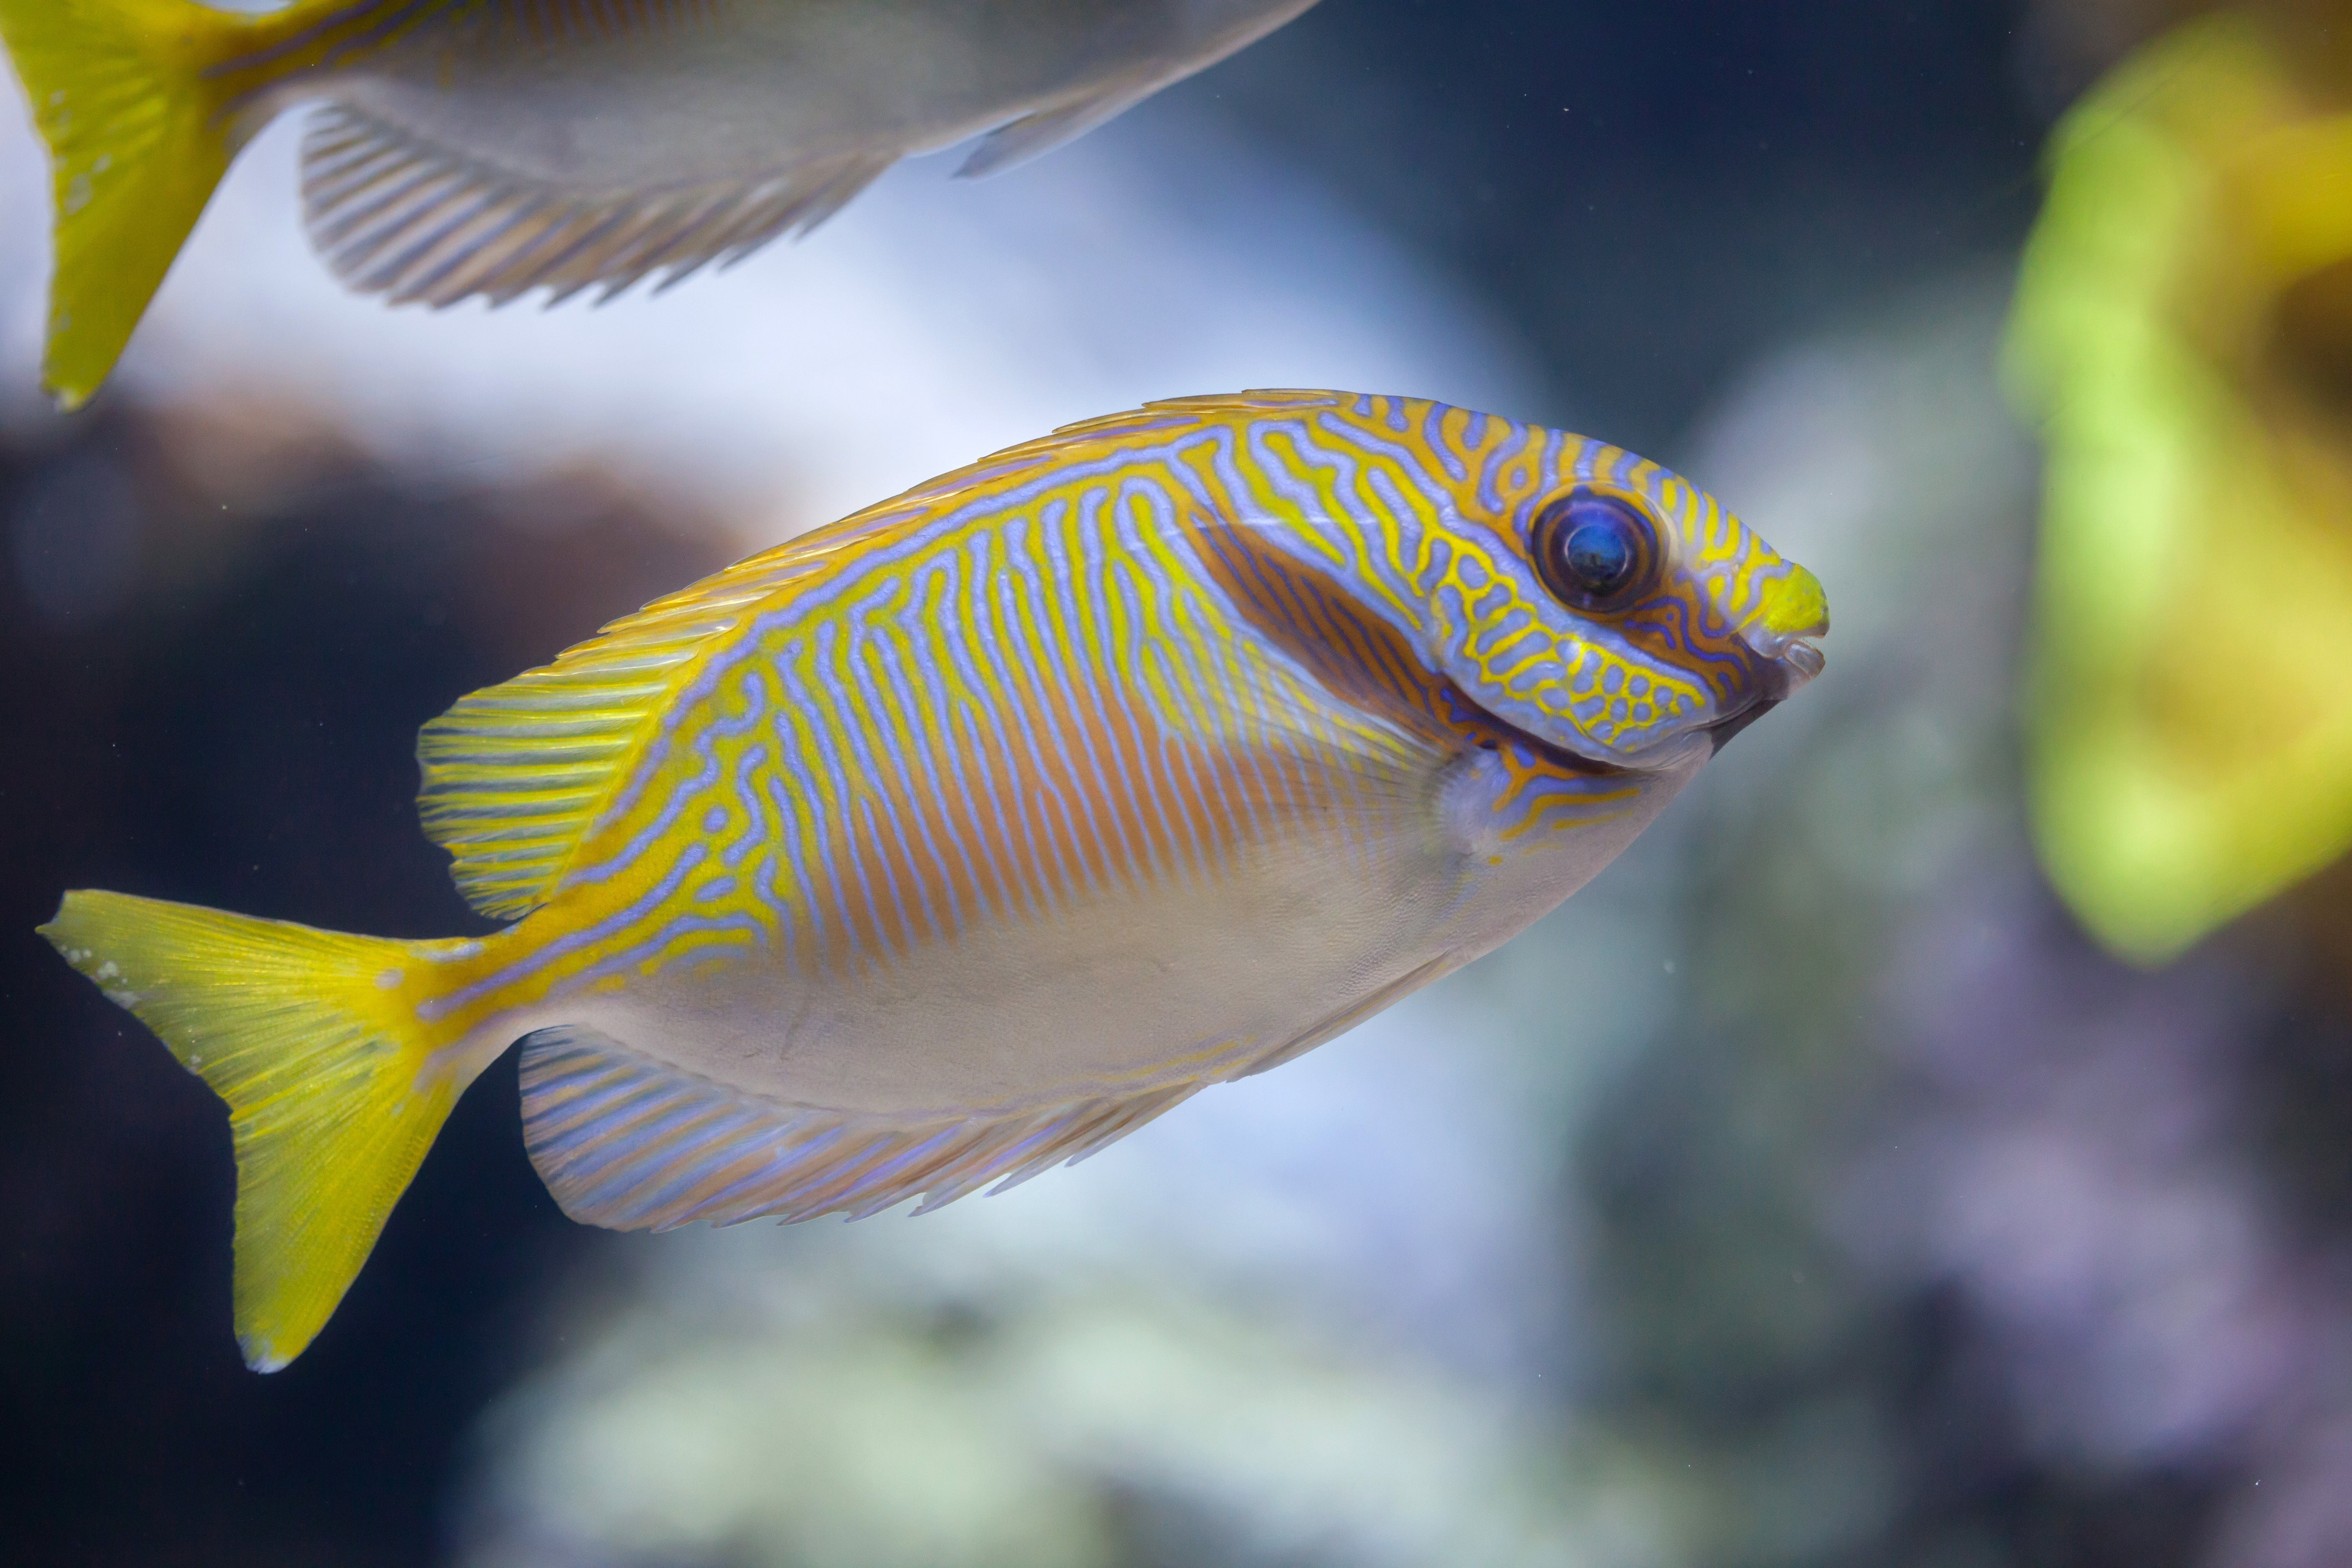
{"x":1614,"y":611}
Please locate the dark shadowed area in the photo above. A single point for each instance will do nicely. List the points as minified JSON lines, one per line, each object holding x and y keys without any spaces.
{"x":169,"y":738}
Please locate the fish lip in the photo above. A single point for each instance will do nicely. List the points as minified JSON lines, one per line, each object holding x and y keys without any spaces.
{"x":1798,"y":662}
{"x":1792,"y":667}
{"x":1785,"y":632}
{"x":1791,"y":664}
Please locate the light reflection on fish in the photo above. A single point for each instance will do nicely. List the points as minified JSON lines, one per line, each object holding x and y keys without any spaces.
{"x":964,"y":836}
{"x":491,"y":147}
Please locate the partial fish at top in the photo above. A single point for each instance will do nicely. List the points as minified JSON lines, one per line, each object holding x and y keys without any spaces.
{"x":960,"y":838}
{"x":491,"y":147}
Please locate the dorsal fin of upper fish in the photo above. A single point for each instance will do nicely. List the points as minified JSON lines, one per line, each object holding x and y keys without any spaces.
{"x":394,"y":214}
{"x":516,"y":774}
{"x":632,"y":1144}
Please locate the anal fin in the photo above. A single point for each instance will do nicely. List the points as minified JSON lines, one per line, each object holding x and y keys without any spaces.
{"x":396,"y":215}
{"x":632,"y":1144}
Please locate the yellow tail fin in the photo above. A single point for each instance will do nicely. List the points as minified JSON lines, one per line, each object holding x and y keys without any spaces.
{"x":138,"y":137}
{"x":333,"y":1097}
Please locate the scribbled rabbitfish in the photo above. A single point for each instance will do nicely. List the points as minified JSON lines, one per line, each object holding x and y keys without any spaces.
{"x":966,"y":835}
{"x":490,"y":147}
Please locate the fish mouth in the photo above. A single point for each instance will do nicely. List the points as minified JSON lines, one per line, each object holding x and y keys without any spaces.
{"x":1799,"y":663}
{"x":1795,"y":664}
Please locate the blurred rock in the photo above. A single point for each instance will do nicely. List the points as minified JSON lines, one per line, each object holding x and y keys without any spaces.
{"x":1079,"y":1430}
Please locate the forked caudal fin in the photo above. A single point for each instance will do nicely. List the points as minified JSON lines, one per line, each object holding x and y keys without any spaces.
{"x":332,"y":1093}
{"x":132,"y":98}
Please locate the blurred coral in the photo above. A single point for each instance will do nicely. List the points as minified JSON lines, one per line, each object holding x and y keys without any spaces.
{"x":1071,"y":1429}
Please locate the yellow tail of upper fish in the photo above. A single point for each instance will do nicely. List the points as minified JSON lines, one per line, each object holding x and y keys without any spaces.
{"x":332,"y":1093}
{"x":132,"y":100}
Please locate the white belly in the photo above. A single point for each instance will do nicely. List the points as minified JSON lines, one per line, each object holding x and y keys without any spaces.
{"x":1135,"y":988}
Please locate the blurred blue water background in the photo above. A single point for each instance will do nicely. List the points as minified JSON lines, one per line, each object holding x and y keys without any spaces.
{"x":1807,"y":1191}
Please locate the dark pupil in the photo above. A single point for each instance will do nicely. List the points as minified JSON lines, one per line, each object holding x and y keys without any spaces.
{"x":1600,"y":555}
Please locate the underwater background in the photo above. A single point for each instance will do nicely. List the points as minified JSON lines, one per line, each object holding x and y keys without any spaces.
{"x":1811,"y":1189}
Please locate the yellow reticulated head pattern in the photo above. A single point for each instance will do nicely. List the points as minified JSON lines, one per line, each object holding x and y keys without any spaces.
{"x":1581,"y":595}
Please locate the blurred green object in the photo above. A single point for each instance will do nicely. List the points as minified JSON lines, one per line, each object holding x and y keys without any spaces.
{"x":2182,"y":337}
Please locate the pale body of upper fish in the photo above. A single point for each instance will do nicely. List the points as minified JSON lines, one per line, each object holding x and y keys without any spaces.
{"x":489,"y":147}
{"x":961,"y":837}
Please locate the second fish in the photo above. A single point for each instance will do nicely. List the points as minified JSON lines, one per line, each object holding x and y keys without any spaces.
{"x":490,"y":147}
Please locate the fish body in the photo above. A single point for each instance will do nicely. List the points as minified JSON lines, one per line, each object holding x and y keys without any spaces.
{"x":576,"y":96}
{"x":490,"y":147}
{"x":957,"y":839}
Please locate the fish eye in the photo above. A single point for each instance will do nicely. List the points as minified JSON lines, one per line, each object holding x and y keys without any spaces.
{"x":1593,"y":551}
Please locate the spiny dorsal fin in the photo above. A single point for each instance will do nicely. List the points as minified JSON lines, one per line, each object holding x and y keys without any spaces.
{"x":1168,"y":413}
{"x":395,"y":214}
{"x":1257,"y":399}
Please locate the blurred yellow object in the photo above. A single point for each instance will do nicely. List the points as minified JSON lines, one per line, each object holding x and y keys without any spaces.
{"x":488,"y":148}
{"x":2183,"y":338}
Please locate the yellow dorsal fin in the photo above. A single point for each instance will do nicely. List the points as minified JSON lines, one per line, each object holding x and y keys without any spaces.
{"x":1257,"y":400}
{"x":1153,"y":419}
{"x":516,"y":774}
{"x":1167,"y":412}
